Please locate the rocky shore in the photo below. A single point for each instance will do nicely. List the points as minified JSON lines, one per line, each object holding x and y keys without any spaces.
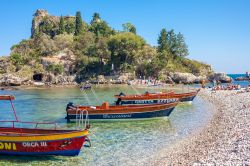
{"x":13,"y":80}
{"x":224,"y":141}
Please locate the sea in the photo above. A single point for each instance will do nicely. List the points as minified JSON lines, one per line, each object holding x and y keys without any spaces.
{"x":113,"y":143}
{"x":242,"y":83}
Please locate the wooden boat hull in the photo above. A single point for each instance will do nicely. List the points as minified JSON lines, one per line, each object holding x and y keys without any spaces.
{"x":149,"y":101}
{"x":156,"y":98}
{"x":63,"y":144}
{"x":188,"y":98}
{"x":126,"y":113}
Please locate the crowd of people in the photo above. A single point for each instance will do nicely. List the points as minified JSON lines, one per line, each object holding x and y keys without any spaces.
{"x":227,"y":87}
{"x":147,"y":82}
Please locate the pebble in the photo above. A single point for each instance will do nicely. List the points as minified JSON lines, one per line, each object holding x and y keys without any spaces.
{"x":224,"y":141}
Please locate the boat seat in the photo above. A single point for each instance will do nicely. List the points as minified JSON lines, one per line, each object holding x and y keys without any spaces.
{"x":105,"y":105}
{"x":93,"y":107}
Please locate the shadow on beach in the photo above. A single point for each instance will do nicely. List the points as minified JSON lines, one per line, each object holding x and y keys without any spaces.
{"x":25,"y":159}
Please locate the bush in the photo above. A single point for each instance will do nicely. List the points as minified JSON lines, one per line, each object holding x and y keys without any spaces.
{"x":25,"y":72}
{"x":38,"y":68}
{"x":16,"y":59}
{"x":56,"y":69}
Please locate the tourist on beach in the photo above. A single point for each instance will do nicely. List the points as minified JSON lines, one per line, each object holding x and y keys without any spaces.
{"x":214,"y":82}
{"x":203,"y":83}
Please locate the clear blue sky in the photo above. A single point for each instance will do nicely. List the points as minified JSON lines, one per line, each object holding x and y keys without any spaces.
{"x":217,"y":31}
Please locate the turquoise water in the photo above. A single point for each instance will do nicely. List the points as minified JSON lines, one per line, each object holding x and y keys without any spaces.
{"x":234,"y":76}
{"x":242,"y":83}
{"x":113,"y":143}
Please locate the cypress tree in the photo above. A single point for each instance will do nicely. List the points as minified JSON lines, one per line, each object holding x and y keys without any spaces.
{"x":78,"y":27}
{"x":182,"y":48}
{"x":61,"y":26}
{"x":96,"y":18}
{"x":172,"y":42}
{"x":128,"y":27}
{"x":162,"y":41}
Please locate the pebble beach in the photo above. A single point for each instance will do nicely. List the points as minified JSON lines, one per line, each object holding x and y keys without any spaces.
{"x":225,"y":140}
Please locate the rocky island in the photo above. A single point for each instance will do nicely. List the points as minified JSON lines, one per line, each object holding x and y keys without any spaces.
{"x":66,"y":50}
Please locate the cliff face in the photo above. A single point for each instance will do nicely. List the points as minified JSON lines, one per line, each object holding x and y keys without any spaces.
{"x":42,"y":19}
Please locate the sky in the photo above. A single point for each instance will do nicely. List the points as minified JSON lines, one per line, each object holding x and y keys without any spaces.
{"x":217,"y":31}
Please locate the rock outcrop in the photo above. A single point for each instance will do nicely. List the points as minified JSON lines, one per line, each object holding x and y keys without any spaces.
{"x":125,"y":77}
{"x":50,"y":79}
{"x":186,"y":78}
{"x":242,"y":79}
{"x":222,"y":77}
{"x":10,"y":80}
{"x":41,"y":15}
{"x":66,"y":58}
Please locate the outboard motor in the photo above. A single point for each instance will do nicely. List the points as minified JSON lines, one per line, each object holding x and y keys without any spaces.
{"x":118,"y":101}
{"x":122,"y":94}
{"x":69,"y":105}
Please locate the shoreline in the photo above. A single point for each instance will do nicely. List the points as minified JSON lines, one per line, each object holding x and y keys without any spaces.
{"x":139,"y":86}
{"x":225,"y":140}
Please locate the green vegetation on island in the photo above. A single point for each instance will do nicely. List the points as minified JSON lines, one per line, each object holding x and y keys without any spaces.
{"x":67,"y":45}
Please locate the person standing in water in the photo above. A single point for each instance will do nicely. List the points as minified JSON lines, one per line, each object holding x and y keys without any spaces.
{"x":203,"y":83}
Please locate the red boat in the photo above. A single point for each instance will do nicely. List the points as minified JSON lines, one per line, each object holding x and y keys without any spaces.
{"x":105,"y":111}
{"x":35,"y":141}
{"x":154,"y":98}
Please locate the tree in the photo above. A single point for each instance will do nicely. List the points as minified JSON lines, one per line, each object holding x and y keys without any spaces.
{"x":100,"y":50}
{"x":124,"y":47}
{"x":17,"y":59}
{"x":63,"y":41}
{"x":162,"y":41}
{"x":78,"y":24}
{"x":128,"y":27}
{"x":96,"y":18}
{"x":182,"y":49}
{"x":172,"y":42}
{"x":83,"y":43}
{"x":144,"y":59}
{"x":70,"y":27}
{"x":44,"y":45}
{"x":27,"y":49}
{"x":61,"y":29}
{"x":99,"y":27}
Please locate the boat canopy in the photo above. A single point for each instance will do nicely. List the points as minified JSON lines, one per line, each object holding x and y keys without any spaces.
{"x":7,"y":97}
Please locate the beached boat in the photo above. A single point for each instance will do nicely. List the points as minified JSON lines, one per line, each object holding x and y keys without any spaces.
{"x":186,"y":97}
{"x":154,"y":98}
{"x":107,"y":112}
{"x":35,"y":141}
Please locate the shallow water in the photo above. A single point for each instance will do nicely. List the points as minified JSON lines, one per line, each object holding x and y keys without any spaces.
{"x":113,"y":143}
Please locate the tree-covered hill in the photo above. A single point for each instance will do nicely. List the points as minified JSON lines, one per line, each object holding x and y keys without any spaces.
{"x":69,"y":46}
